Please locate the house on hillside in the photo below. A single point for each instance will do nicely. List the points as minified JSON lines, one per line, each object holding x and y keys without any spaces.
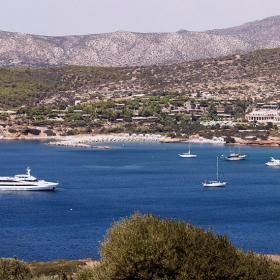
{"x":264,"y":116}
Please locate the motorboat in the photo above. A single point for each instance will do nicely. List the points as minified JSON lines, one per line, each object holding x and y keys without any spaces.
{"x":25,"y":182}
{"x":234,"y":156}
{"x":273,"y":162}
{"x":188,"y":154}
{"x":216,"y":183}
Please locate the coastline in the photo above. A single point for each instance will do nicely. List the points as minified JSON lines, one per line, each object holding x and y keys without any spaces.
{"x":85,"y":140}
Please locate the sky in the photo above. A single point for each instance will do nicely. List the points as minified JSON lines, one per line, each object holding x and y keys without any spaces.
{"x":82,"y":17}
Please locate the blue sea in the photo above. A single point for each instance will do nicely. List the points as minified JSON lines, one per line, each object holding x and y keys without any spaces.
{"x":98,"y":187}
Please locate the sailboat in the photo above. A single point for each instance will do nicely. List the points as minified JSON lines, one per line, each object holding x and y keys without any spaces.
{"x":188,"y":154}
{"x":234,"y":156}
{"x":216,"y":183}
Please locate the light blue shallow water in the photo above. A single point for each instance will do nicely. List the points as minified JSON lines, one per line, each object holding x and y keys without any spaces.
{"x":97,"y":187}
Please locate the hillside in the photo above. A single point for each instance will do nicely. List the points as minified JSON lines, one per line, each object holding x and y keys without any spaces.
{"x":123,"y":48}
{"x":253,"y":75}
{"x":266,"y":29}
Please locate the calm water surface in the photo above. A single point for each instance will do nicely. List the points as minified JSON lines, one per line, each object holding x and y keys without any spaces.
{"x":97,"y":187}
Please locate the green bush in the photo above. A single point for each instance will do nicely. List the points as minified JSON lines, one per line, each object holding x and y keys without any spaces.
{"x":229,"y":139}
{"x":115,"y":129}
{"x":56,"y":267}
{"x":72,"y":132}
{"x":12,"y":130}
{"x":14,"y":269}
{"x":42,"y":277}
{"x":145,"y":247}
{"x":24,"y":130}
{"x":84,"y":274}
{"x":34,"y":131}
{"x":49,"y":132}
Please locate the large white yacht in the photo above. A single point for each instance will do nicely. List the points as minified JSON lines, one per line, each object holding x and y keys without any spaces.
{"x":25,"y":182}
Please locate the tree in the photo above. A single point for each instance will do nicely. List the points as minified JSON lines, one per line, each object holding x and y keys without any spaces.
{"x":212,"y":111}
{"x":146,"y":247}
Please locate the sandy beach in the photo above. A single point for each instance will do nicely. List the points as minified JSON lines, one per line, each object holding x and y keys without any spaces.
{"x":86,"y":140}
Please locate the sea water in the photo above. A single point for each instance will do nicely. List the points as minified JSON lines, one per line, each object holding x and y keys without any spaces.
{"x":98,"y":187}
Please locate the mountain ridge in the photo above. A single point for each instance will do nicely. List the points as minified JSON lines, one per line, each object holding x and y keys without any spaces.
{"x":125,"y":48}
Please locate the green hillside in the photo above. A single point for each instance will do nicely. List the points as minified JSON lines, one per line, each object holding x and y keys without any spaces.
{"x":253,"y":75}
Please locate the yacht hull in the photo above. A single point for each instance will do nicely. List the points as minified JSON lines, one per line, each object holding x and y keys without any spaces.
{"x":41,"y":186}
{"x":273,"y":162}
{"x":187,"y":156}
{"x":214,"y":184}
{"x":235,"y":158}
{"x":25,"y":182}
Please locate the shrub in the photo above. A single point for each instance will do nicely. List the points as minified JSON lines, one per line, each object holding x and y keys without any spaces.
{"x":115,"y":129}
{"x":42,"y":277}
{"x":54,"y":268}
{"x":229,"y":139}
{"x":24,"y":130}
{"x":72,"y":132}
{"x":12,"y":130}
{"x":171,"y":134}
{"x":49,"y":132}
{"x":34,"y":131}
{"x":145,"y":247}
{"x":84,"y":274}
{"x":14,"y":269}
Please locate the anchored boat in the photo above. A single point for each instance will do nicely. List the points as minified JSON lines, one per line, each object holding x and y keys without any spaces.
{"x":273,"y":162}
{"x":216,"y":183}
{"x":25,"y":182}
{"x":234,"y":156}
{"x":188,"y":154}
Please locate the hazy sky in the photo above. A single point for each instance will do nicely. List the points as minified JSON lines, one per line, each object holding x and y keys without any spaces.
{"x":78,"y":17}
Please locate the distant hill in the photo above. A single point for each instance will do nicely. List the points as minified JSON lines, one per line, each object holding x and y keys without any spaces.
{"x":259,"y":30}
{"x":123,"y":48}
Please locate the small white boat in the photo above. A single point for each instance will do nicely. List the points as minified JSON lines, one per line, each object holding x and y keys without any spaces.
{"x":273,"y":162}
{"x":188,"y":154}
{"x":234,"y":156}
{"x":216,"y":183}
{"x":25,"y":182}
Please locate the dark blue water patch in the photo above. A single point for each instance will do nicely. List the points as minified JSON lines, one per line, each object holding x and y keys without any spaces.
{"x":99,"y":186}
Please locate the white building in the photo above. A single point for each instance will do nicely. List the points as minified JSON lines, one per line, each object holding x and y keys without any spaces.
{"x":264,"y":116}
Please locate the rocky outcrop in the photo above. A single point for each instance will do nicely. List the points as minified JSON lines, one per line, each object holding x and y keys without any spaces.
{"x":124,"y":48}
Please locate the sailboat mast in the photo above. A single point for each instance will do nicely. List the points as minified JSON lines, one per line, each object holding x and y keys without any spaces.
{"x":217,"y":170}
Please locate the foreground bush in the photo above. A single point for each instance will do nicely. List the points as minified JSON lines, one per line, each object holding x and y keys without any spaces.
{"x":145,"y":247}
{"x":14,"y":269}
{"x":42,"y":277}
{"x":85,"y":274}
